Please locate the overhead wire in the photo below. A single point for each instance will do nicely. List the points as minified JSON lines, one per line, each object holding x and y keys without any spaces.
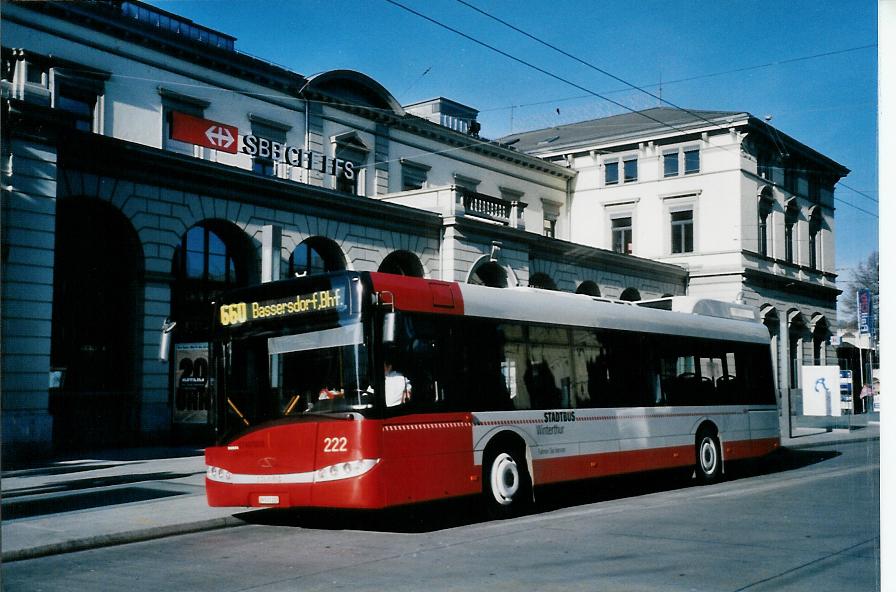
{"x":779,"y":143}
{"x":530,"y":64}
{"x":567,"y":81}
{"x":586,"y":63}
{"x":691,"y":78}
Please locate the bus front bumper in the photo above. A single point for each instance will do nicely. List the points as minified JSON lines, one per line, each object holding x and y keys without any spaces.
{"x":350,"y":484}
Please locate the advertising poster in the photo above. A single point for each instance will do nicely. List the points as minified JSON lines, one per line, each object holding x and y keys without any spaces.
{"x":191,"y":383}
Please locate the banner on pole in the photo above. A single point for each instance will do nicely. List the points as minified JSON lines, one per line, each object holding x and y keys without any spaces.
{"x":865,"y":311}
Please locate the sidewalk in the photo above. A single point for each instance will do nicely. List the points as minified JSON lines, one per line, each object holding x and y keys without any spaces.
{"x":135,"y":495}
{"x":82,"y":504}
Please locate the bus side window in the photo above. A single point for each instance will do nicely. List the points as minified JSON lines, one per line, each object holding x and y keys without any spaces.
{"x":589,"y":371}
{"x":513,"y":366}
{"x":548,"y":373}
{"x":427,"y":363}
{"x":481,"y":361}
{"x":628,"y":372}
{"x":727,"y":385}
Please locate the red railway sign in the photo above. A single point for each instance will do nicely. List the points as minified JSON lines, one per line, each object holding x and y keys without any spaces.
{"x":204,"y":132}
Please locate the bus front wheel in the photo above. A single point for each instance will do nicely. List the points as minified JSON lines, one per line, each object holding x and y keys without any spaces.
{"x":507,"y":486}
{"x":709,"y":458}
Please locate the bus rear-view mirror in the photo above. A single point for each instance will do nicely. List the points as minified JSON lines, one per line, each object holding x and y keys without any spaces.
{"x":165,"y":341}
{"x":389,"y":327}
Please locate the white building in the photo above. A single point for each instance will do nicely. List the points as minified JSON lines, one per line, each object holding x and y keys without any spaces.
{"x":746,"y":209}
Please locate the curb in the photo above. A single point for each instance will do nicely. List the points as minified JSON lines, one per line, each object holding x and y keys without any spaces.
{"x":799,"y":445}
{"x":121,"y":538}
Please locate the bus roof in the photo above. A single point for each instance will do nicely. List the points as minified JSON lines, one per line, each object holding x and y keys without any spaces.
{"x":678,"y":315}
{"x":690,"y":317}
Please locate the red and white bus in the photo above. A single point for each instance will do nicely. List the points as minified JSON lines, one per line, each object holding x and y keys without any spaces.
{"x":499,"y":391}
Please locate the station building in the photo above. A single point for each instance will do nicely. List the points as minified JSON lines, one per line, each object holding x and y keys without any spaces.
{"x":148,"y":165}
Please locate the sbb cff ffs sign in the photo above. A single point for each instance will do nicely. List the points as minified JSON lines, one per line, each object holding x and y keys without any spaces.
{"x":220,"y":136}
{"x":204,"y":132}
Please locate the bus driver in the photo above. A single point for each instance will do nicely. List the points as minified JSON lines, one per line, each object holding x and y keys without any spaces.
{"x":398,"y":388}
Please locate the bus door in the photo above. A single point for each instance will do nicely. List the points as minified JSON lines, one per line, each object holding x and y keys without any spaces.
{"x":427,"y":433}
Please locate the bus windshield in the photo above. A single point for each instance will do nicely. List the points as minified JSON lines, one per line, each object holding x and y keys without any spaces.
{"x":263,"y":378}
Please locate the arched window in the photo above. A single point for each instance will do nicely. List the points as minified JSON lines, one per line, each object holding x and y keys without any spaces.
{"x":212,"y":257}
{"x":630,"y":294}
{"x":205,"y":257}
{"x":316,"y":255}
{"x":791,"y":216}
{"x":815,"y":223}
{"x":402,"y":263}
{"x":588,"y":287}
{"x":766,"y":203}
{"x":543,"y":281}
{"x":489,"y":274}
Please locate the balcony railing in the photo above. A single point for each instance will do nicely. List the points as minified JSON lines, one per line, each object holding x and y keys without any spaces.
{"x":491,"y":208}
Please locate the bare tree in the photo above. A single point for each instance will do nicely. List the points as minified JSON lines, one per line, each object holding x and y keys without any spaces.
{"x":865,"y":275}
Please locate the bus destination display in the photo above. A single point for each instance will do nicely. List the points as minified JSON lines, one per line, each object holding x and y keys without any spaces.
{"x":321,"y":301}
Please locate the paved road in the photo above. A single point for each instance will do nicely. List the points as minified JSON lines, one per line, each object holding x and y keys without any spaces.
{"x":807,"y":520}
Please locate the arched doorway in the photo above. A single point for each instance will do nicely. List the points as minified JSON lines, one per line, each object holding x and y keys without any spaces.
{"x":821,"y":333}
{"x":543,"y":281}
{"x":402,"y":263}
{"x":772,"y":322}
{"x":797,"y":331}
{"x":489,"y":273}
{"x":95,"y":354}
{"x":588,"y":287}
{"x":316,"y":255}
{"x":630,"y":294}
{"x":213,"y":256}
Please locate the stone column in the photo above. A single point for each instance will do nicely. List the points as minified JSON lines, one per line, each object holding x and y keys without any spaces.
{"x":29,"y":180}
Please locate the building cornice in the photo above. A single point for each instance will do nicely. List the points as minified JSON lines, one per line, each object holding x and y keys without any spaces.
{"x":779,"y":137}
{"x":107,"y":19}
{"x":790,"y":285}
{"x":424,"y":128}
{"x":631,"y":140}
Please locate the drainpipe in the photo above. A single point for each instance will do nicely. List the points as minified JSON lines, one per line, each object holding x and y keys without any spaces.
{"x":569,"y":186}
{"x":306,"y":171}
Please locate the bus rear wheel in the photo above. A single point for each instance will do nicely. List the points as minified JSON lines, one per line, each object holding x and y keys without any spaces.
{"x":506,"y":484}
{"x":709,"y":458}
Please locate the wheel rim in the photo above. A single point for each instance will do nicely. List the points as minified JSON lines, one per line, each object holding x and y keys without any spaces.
{"x":708,"y":456}
{"x":505,"y":479}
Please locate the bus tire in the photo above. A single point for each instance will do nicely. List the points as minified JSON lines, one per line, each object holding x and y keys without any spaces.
{"x":507,"y":486}
{"x":709,"y":458}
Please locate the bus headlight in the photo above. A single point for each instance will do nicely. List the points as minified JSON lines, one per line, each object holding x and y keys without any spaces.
{"x":345,"y":470}
{"x":219,"y":474}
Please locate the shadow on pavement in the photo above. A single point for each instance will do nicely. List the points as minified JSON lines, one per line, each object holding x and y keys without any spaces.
{"x":416,"y":519}
{"x":86,"y":460}
{"x":41,"y":506}
{"x":430,"y":517}
{"x":91,"y":483}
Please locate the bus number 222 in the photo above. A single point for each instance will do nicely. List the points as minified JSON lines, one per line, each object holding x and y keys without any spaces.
{"x":337,"y":444}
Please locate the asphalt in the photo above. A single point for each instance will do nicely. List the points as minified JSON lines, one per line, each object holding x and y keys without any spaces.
{"x":119,"y":497}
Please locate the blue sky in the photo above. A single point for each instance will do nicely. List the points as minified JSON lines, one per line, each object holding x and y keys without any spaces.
{"x":755,"y":56}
